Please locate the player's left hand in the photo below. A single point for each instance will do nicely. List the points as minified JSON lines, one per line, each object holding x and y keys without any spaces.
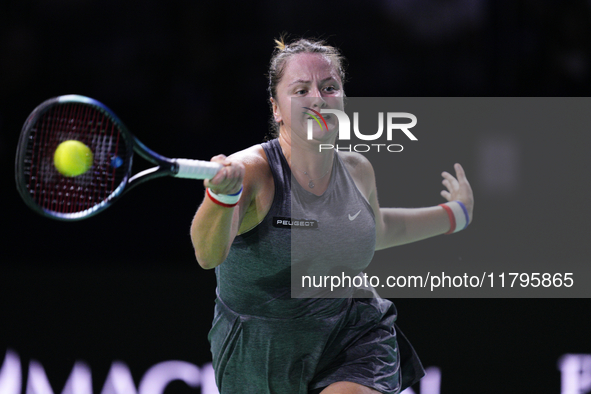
{"x":458,"y":189}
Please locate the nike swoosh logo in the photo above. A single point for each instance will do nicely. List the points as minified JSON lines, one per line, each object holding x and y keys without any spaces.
{"x":353,"y":217}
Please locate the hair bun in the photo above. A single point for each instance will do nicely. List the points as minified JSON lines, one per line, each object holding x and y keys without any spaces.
{"x":280,"y":44}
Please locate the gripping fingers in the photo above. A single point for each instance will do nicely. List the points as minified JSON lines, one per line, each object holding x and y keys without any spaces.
{"x":229,"y":178}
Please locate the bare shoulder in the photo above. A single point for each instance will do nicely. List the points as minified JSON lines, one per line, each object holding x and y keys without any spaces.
{"x":254,"y":155}
{"x":355,"y":160}
{"x":361,"y":170}
{"x":258,"y":185}
{"x":357,"y":164}
{"x":255,"y":164}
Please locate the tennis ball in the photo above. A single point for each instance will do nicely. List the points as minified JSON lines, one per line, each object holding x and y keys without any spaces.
{"x":72,"y":158}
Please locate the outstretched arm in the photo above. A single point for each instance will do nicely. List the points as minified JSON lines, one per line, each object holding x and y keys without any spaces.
{"x":215,"y":226}
{"x":398,"y":226}
{"x":217,"y":222}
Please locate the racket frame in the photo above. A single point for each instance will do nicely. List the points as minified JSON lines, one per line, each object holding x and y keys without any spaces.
{"x":164,"y":166}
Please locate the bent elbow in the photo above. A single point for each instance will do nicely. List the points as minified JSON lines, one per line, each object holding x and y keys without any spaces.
{"x":209,"y":262}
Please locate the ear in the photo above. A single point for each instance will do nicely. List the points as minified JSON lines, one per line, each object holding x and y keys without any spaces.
{"x":276,"y":111}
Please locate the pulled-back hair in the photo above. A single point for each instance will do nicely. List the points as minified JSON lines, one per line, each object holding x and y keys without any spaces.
{"x":283,"y":52}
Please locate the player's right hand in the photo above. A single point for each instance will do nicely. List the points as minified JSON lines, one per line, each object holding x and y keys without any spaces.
{"x":229,"y":178}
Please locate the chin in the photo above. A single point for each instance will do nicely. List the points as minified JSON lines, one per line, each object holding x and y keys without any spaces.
{"x":324,"y":136}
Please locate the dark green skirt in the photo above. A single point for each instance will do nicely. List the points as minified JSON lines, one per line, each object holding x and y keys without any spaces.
{"x":360,"y":344}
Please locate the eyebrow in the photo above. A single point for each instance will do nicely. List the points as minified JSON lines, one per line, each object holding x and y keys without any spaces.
{"x":303,"y":81}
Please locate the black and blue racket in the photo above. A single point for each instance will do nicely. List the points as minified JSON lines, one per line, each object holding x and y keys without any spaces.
{"x":87,"y":126}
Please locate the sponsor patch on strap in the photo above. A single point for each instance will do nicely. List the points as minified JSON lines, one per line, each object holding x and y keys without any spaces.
{"x":283,"y":222}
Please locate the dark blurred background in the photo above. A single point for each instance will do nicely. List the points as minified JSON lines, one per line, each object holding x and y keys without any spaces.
{"x":188,"y":78}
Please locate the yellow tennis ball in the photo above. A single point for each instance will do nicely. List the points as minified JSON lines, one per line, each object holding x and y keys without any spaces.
{"x":72,"y":158}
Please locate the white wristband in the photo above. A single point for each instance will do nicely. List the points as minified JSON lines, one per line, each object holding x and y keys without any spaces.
{"x":458,"y":216}
{"x":225,"y":200}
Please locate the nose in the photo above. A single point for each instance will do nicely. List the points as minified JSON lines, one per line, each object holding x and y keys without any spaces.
{"x":316,"y":98}
{"x":315,"y":92}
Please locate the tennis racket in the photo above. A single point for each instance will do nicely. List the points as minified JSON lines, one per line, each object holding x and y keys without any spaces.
{"x":72,"y":117}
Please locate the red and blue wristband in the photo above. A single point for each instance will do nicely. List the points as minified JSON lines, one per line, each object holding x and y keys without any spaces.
{"x":225,"y":200}
{"x":458,"y":216}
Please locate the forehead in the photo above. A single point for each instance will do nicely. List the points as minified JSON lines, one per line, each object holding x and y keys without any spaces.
{"x":308,"y":66}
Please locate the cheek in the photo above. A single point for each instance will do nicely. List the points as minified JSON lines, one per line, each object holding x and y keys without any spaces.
{"x":283,"y":112}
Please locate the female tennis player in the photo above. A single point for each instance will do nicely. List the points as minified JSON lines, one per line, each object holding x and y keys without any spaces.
{"x":262,"y":339}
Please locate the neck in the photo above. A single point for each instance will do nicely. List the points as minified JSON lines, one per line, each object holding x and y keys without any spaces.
{"x":307,"y":162}
{"x":305,"y":155}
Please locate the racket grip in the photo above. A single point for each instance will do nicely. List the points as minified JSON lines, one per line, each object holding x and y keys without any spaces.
{"x":196,"y":169}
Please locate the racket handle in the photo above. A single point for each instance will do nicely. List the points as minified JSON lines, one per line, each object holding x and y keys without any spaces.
{"x":196,"y":169}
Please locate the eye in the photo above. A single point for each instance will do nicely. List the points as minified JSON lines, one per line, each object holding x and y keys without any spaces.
{"x":301,"y":92}
{"x":330,"y":89}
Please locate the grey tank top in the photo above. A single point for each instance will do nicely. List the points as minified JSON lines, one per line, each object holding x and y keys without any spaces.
{"x":331,"y":234}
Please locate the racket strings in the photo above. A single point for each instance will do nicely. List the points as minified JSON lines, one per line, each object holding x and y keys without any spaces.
{"x":68,"y":195}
